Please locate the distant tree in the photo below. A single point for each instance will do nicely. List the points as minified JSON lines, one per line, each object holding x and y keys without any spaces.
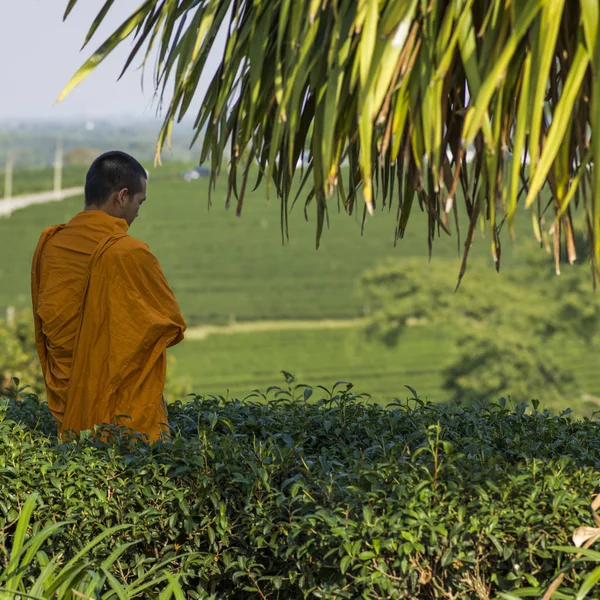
{"x":81,"y":156}
{"x":506,"y":330}
{"x":491,"y":363}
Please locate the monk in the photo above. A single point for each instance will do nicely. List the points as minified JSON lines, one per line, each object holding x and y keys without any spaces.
{"x":104,"y":312}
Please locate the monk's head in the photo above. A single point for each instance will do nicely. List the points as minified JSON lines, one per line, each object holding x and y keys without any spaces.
{"x":116,"y":184}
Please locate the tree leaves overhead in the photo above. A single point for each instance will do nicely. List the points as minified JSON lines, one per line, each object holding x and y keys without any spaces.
{"x":402,"y":91}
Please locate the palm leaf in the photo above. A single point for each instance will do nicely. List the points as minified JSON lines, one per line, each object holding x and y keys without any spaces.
{"x":395,"y":87}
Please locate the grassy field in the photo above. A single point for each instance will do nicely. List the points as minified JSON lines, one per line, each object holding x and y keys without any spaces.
{"x":243,"y":362}
{"x":223,"y":268}
{"x":30,"y":181}
{"x":238,"y":364}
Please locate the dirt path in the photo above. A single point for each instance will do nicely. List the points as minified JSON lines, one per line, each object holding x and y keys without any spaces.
{"x":9,"y":205}
{"x":203,"y":331}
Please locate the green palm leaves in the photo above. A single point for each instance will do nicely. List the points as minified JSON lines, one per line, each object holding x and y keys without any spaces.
{"x":489,"y":101}
{"x":77,"y":578}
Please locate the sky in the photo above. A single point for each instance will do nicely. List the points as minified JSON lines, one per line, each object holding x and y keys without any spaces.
{"x":39,"y":53}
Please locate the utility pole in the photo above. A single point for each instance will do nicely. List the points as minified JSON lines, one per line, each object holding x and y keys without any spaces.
{"x":8,"y":177}
{"x":58,"y":167}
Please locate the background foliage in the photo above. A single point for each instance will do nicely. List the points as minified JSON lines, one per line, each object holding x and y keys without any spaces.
{"x":507,"y":333}
{"x":18,"y":355}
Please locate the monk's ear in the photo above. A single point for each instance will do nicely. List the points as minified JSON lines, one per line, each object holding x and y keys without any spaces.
{"x":122,"y":196}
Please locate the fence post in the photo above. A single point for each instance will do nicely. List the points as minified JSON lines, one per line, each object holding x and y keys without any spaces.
{"x":58,"y":167}
{"x":8,"y":178}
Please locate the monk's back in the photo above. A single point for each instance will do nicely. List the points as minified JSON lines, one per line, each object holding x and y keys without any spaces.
{"x":64,"y":261}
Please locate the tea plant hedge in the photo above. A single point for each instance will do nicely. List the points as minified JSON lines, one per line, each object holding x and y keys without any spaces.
{"x":314,"y":493}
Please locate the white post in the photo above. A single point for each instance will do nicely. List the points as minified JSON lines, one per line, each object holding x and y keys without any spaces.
{"x":58,"y":166}
{"x":8,"y":177}
{"x":10,"y":316}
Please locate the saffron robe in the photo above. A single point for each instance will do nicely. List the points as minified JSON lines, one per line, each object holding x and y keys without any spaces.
{"x":104,"y":315}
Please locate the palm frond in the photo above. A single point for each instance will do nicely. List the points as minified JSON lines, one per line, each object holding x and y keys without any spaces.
{"x":424,"y":97}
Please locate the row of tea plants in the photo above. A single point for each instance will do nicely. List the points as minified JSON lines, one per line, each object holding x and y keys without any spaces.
{"x":300,"y":492}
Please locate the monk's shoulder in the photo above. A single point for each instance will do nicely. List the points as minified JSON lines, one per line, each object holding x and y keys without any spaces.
{"x":46,"y":238}
{"x":129,"y":244}
{"x":130,"y":251}
{"x":52,"y":229}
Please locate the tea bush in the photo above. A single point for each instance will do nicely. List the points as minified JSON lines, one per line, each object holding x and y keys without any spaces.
{"x":307,"y":492}
{"x":18,"y":355}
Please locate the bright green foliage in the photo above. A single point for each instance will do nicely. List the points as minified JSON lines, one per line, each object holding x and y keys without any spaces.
{"x":309,"y":492}
{"x":61,"y":579}
{"x":401,"y":89}
{"x":18,"y":355}
{"x":509,"y":334}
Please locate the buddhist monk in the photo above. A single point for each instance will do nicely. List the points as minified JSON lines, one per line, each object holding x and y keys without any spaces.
{"x":104,"y":312}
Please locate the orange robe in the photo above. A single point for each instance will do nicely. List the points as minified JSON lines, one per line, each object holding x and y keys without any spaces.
{"x":104,"y":316}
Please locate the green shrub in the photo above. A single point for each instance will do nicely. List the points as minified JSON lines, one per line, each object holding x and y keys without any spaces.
{"x":313,"y":493}
{"x":18,"y":355}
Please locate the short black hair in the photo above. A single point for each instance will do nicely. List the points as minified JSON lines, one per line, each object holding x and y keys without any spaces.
{"x":111,"y":172}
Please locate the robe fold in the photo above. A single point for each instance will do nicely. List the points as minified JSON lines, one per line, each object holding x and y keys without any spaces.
{"x":104,"y":315}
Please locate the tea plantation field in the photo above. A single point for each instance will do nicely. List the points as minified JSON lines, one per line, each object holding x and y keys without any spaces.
{"x":221,"y":266}
{"x":240,"y":363}
{"x":235,"y":365}
{"x":224,"y":268}
{"x":304,"y":495}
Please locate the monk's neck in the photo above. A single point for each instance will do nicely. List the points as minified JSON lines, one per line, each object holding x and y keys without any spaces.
{"x":105,"y":209}
{"x":99,"y":214}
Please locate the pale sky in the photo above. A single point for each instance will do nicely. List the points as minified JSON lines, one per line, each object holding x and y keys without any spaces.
{"x":39,"y":54}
